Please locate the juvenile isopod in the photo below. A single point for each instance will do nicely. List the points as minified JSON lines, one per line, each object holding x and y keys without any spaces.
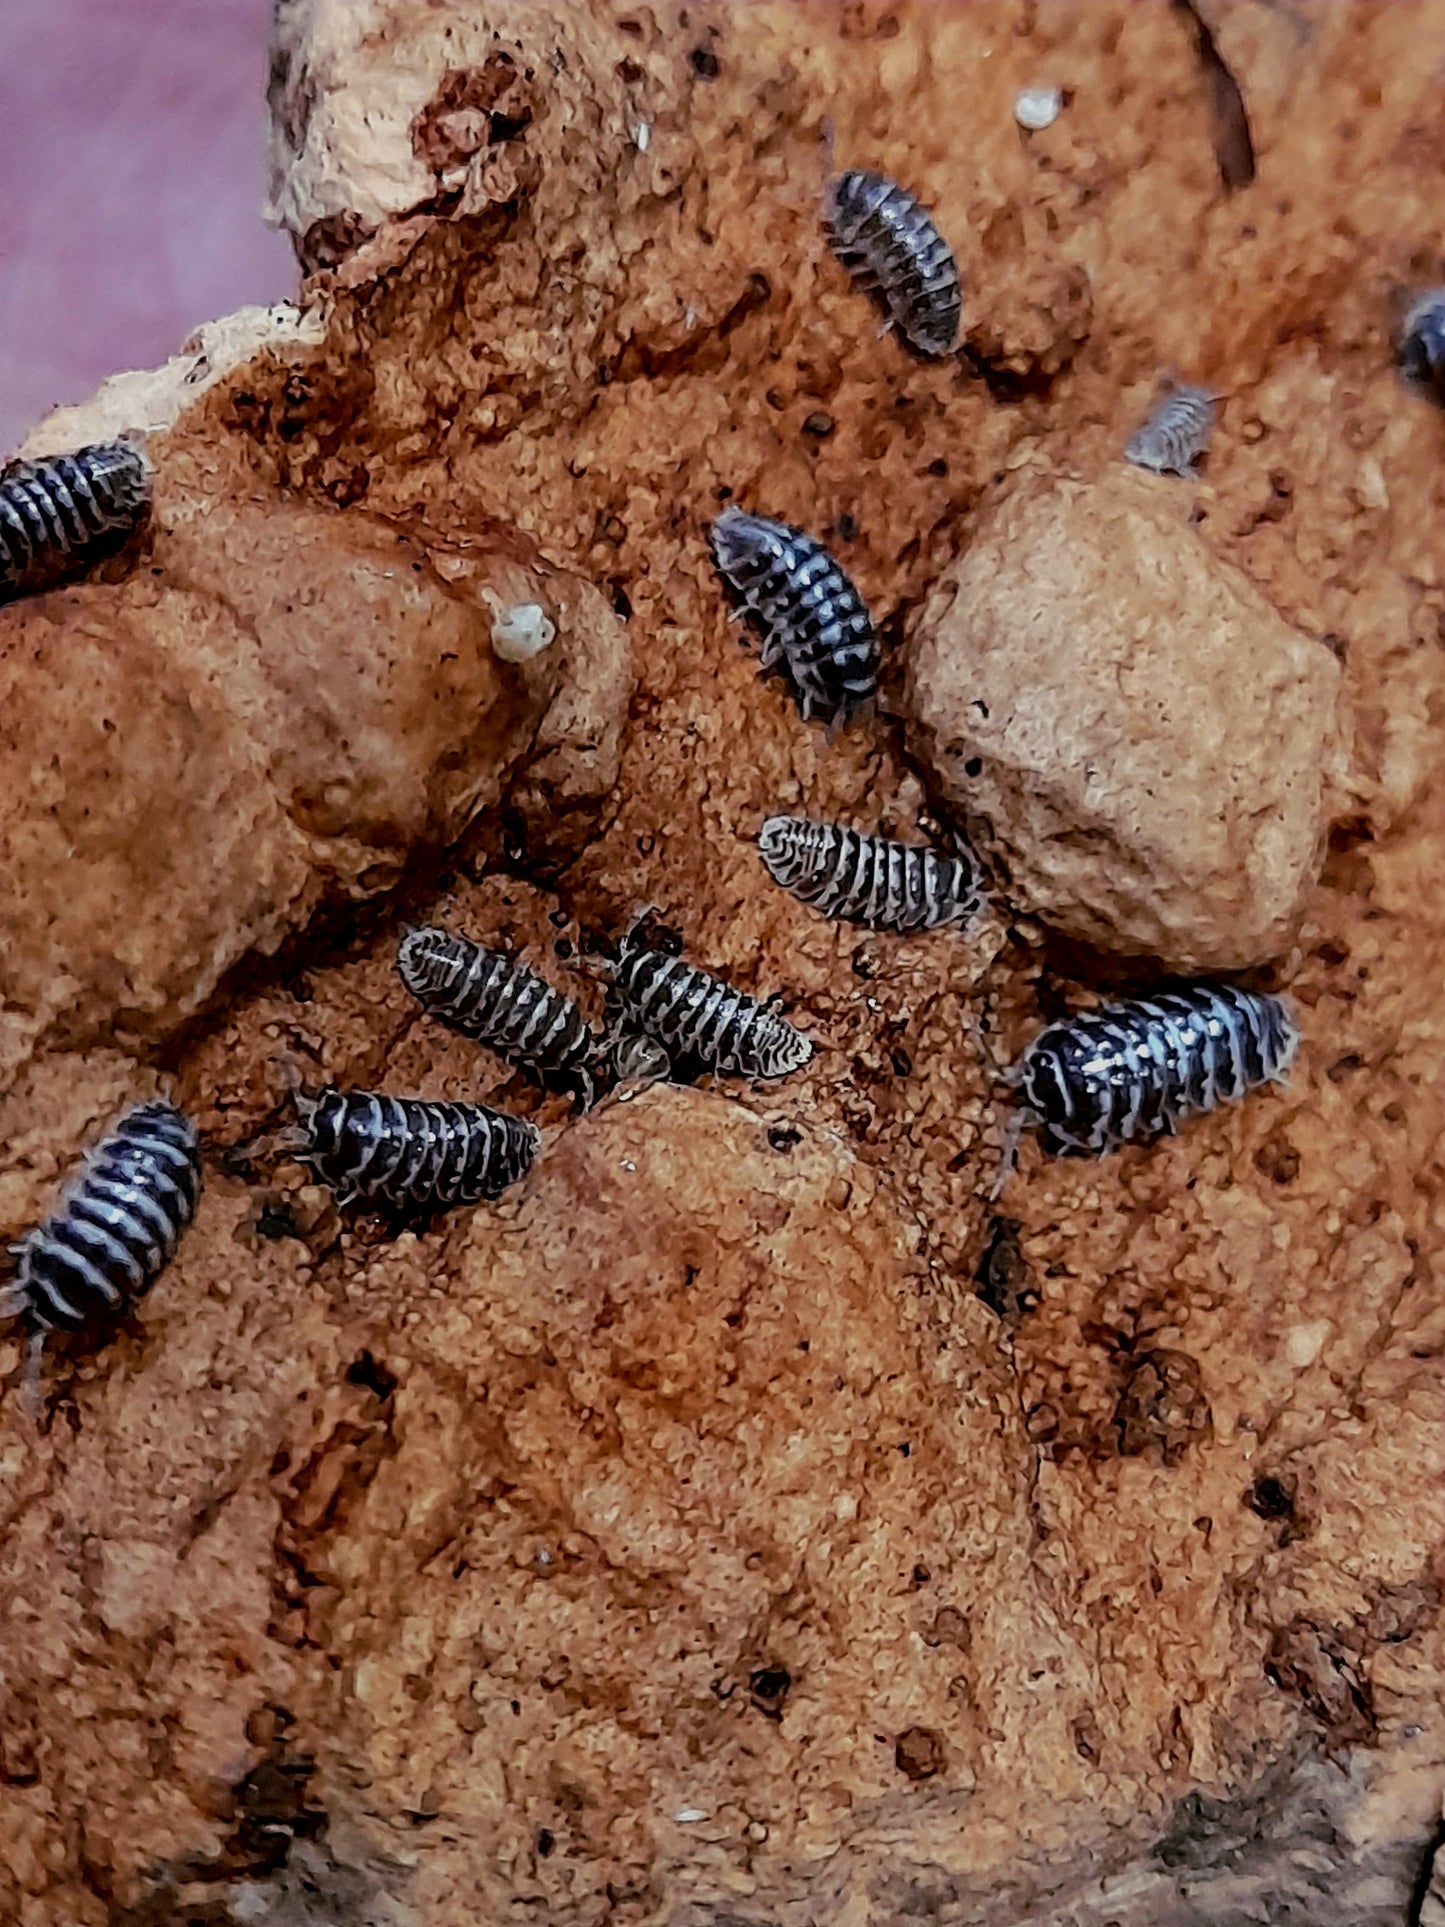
{"x":114,"y":1230}
{"x":500,"y":1001}
{"x":411,"y":1154}
{"x":870,"y":879}
{"x":812,"y":616}
{"x":1176,"y":434}
{"x":696,"y":1015}
{"x":1134,"y":1069}
{"x":891,"y":246}
{"x":62,"y":512}
{"x":1422,"y":344}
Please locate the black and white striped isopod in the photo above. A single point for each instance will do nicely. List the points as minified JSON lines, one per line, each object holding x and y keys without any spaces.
{"x":59,"y":513}
{"x":696,"y":1015}
{"x":1135,"y":1068}
{"x":500,"y":1001}
{"x":1422,"y":344}
{"x":891,"y":246}
{"x":811,"y":614}
{"x":869,"y":879}
{"x":1176,"y":434}
{"x":115,"y":1228}
{"x":411,"y":1154}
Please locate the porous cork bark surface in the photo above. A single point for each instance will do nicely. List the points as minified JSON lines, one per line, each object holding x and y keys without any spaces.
{"x":1148,"y":755}
{"x":743,"y":1523}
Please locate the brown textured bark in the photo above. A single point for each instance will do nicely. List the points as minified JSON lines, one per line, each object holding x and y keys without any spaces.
{"x":742,"y":1525}
{"x":277,"y":711}
{"x":1150,"y":756}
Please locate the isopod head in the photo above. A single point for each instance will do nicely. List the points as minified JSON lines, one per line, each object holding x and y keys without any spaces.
{"x":741,"y":541}
{"x":791,"y":1051}
{"x":639,"y":1059}
{"x":777,"y":839}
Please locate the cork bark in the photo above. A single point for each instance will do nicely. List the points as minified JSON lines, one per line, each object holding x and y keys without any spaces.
{"x":745,"y":1523}
{"x":1150,"y":757}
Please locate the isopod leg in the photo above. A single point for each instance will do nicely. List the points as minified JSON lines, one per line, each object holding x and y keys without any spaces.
{"x":1009,"y":1154}
{"x":33,"y":1383}
{"x":634,"y":923}
{"x":293,"y":1078}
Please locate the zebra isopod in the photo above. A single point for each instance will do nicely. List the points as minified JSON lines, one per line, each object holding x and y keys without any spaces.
{"x":696,"y":1015}
{"x":500,"y":1001}
{"x":115,"y":1228}
{"x":1134,"y":1069}
{"x":412,"y":1154}
{"x":1176,"y":434}
{"x":62,"y":512}
{"x":891,"y":246}
{"x":870,"y":879}
{"x":1422,"y":344}
{"x":812,"y":616}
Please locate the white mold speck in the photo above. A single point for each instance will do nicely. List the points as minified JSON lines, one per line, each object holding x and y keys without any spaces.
{"x":1038,"y":107}
{"x":520,"y":631}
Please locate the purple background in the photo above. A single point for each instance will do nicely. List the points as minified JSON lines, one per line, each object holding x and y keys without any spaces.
{"x":131,"y":156}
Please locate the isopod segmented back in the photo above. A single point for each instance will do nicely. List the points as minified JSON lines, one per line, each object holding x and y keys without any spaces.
{"x":115,"y":1228}
{"x":870,"y":879}
{"x":812,"y":616}
{"x":891,"y":246}
{"x":61,"y":512}
{"x":412,"y":1154}
{"x":696,"y":1015}
{"x":1133,"y":1069}
{"x":499,"y":1000}
{"x":1176,"y":434}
